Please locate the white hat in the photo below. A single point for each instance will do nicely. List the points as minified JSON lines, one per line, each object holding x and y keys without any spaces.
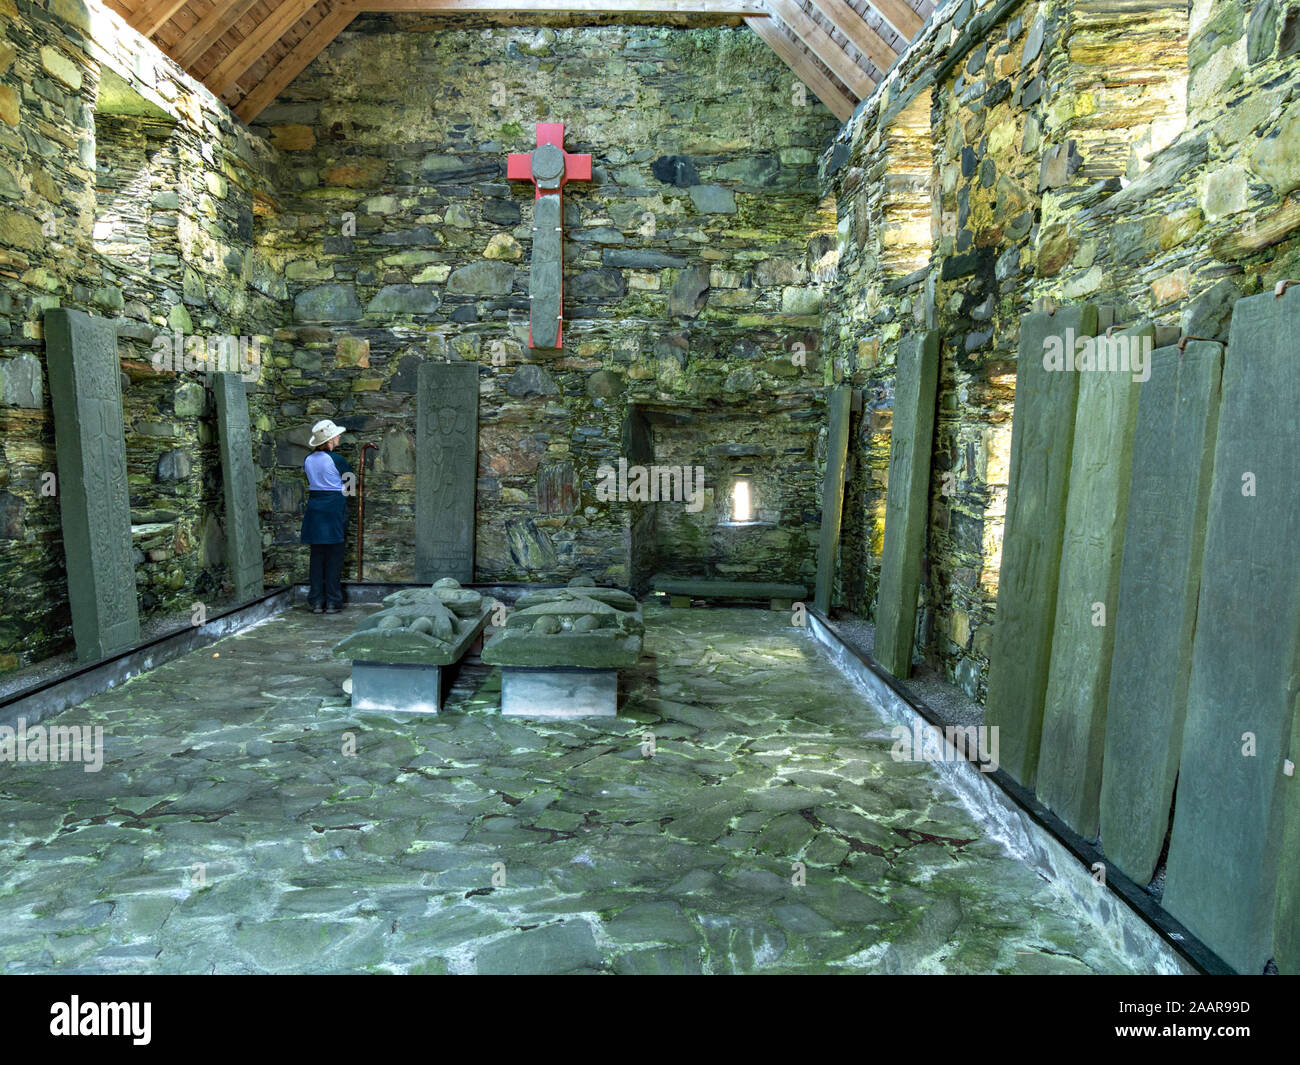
{"x":323,"y":431}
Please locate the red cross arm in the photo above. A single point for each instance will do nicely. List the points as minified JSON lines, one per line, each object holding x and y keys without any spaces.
{"x":519,"y":166}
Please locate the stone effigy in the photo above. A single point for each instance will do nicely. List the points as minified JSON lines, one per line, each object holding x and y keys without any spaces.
{"x":1225,"y":849}
{"x":561,"y":648}
{"x":446,"y":470}
{"x":401,"y":655}
{"x":1042,"y":440}
{"x":907,"y":507}
{"x":1173,"y":456}
{"x":243,"y":530}
{"x":1083,"y":637}
{"x":94,"y":499}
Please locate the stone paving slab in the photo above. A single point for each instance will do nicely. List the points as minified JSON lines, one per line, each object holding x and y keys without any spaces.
{"x":306,"y":837}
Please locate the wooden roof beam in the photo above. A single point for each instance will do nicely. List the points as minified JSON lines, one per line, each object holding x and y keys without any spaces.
{"x":855,"y":28}
{"x":295,"y":62}
{"x":899,"y":15}
{"x":839,"y":103}
{"x":248,"y":51}
{"x":154,"y":14}
{"x":819,"y":42}
{"x":209,"y":30}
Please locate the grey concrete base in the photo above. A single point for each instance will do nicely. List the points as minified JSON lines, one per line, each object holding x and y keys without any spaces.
{"x":399,"y":687}
{"x":559,"y":692}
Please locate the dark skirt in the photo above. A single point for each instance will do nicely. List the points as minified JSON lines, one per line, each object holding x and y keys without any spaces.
{"x":325,"y":520}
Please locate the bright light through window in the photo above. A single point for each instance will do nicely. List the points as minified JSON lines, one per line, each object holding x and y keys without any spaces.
{"x":740,"y":501}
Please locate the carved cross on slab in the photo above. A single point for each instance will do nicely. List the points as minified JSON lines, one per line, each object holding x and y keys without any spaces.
{"x":548,"y":167}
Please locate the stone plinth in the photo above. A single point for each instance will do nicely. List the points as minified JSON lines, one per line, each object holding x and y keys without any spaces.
{"x":559,"y":693}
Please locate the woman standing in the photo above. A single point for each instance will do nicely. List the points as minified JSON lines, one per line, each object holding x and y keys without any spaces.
{"x":324,"y":524}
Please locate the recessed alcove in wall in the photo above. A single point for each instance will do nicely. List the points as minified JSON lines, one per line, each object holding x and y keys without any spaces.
{"x":690,"y":459}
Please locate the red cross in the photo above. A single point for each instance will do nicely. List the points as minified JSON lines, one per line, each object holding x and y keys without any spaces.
{"x":549,"y":182}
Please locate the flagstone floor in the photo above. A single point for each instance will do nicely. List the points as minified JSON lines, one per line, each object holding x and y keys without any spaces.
{"x":233,"y":829}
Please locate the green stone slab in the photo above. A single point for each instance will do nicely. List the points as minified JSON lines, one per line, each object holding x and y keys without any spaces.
{"x":545,"y":277}
{"x":837,"y":450}
{"x":446,"y":471}
{"x":586,"y":650}
{"x":1096,"y":511}
{"x":1173,"y":457}
{"x":907,"y":503}
{"x":705,"y":589}
{"x":1042,"y":439}
{"x":243,"y":530}
{"x":94,"y":502}
{"x":1224,"y":848}
{"x":1286,"y":913}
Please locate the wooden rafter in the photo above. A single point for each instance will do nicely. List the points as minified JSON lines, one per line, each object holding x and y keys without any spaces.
{"x":899,"y":15}
{"x":839,"y":103}
{"x":819,"y":42}
{"x":738,"y":8}
{"x":295,"y":62}
{"x":211,"y":28}
{"x":153,"y":14}
{"x":256,"y":44}
{"x":855,"y":28}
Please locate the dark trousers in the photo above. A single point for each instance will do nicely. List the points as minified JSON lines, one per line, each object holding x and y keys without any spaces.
{"x":326,"y":571}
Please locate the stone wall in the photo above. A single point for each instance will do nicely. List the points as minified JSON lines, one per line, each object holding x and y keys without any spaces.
{"x":1126,"y":153}
{"x":691,"y":263}
{"x":86,"y":105}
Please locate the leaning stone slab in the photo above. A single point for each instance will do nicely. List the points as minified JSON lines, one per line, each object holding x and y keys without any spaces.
{"x":94,"y":502}
{"x":401,"y":655}
{"x":243,"y":530}
{"x":1226,"y":841}
{"x":907,"y":505}
{"x":1096,"y":511}
{"x":837,"y":451}
{"x":1042,"y":440}
{"x":446,"y":470}
{"x":1173,"y":457}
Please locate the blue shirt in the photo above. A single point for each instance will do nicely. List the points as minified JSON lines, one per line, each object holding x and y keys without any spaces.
{"x":322,"y":472}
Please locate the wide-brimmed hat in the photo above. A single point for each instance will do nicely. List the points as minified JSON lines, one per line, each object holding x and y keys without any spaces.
{"x":324,"y":431}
